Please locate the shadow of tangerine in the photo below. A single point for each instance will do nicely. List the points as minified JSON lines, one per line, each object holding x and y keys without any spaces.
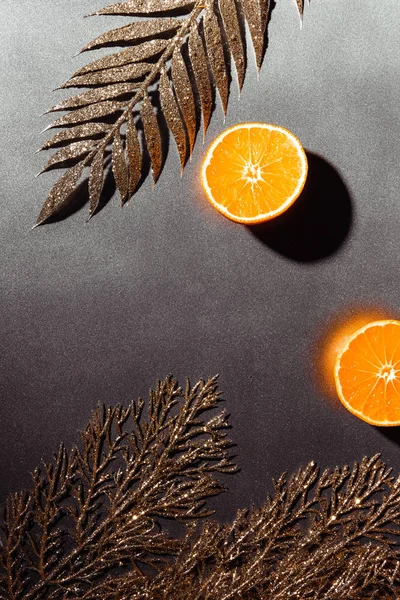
{"x":317,"y":223}
{"x":334,"y":338}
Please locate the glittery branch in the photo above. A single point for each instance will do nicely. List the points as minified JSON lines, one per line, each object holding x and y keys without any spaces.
{"x":91,"y":527}
{"x":95,"y":510}
{"x":181,"y":49}
{"x":315,"y":538}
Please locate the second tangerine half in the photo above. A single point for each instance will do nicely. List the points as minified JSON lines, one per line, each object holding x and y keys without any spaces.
{"x":367,"y":373}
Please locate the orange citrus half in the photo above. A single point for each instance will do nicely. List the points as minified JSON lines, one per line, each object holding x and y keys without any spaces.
{"x":367,"y":373}
{"x":253,"y":172}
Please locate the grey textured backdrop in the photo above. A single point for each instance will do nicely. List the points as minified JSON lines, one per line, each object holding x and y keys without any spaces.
{"x":96,"y":312}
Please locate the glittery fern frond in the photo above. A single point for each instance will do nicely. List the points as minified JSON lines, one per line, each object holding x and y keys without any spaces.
{"x":176,"y":54}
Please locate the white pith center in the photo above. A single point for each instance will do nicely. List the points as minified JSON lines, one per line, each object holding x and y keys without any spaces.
{"x":252,"y":172}
{"x":388,"y":373}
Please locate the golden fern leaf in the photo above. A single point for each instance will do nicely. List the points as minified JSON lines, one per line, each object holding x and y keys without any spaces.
{"x":172,"y":48}
{"x":300,"y":6}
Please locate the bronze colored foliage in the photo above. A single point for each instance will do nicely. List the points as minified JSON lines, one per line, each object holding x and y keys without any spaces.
{"x":95,"y":510}
{"x":175,"y":54}
{"x":91,"y":527}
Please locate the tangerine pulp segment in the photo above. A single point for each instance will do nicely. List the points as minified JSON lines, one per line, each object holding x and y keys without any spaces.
{"x":336,"y":333}
{"x":253,"y":172}
{"x":367,"y":373}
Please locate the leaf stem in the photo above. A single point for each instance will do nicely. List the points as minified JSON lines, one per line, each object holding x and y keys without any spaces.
{"x":155,"y":71}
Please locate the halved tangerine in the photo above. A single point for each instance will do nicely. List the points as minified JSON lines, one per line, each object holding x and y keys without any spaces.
{"x":253,"y":172}
{"x":367,"y":373}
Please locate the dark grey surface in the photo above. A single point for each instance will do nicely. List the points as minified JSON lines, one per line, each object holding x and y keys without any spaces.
{"x":95,"y":313}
